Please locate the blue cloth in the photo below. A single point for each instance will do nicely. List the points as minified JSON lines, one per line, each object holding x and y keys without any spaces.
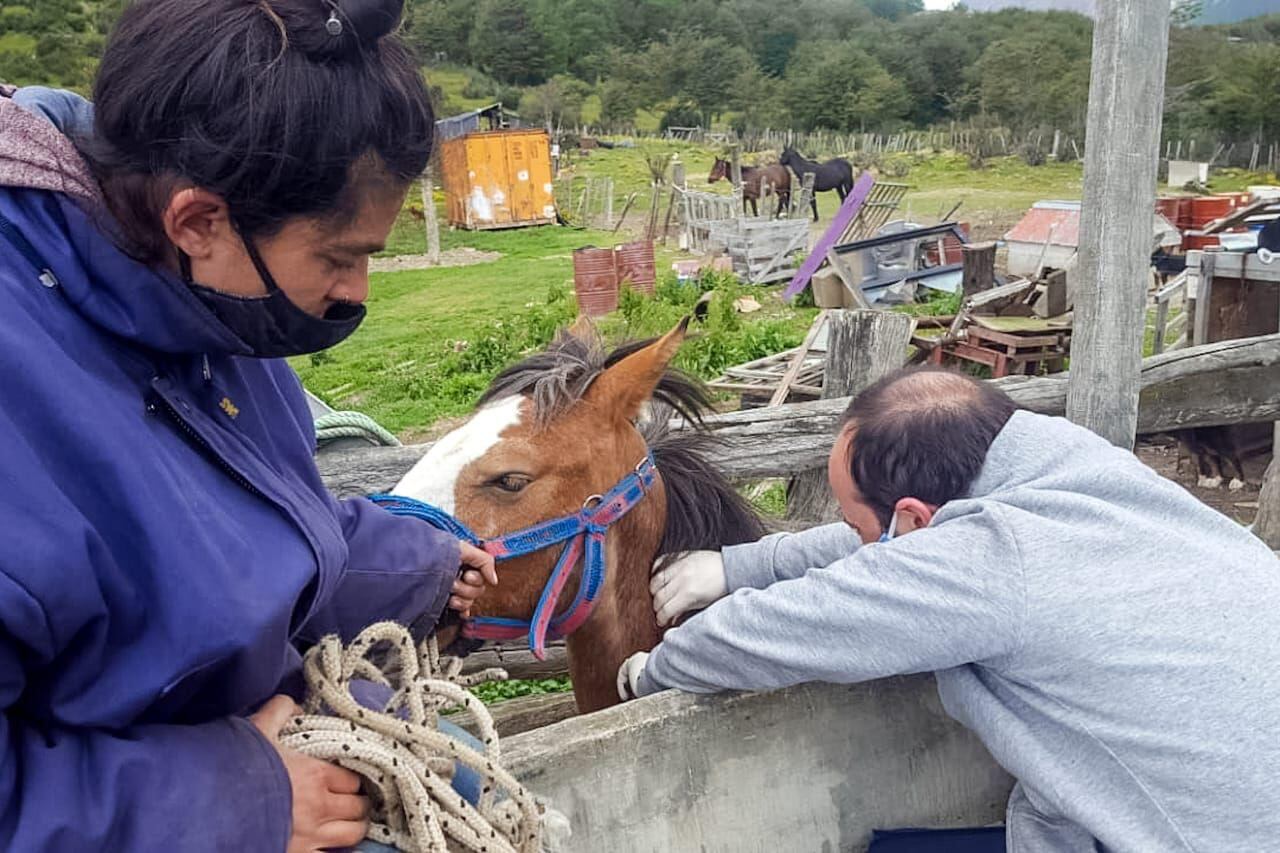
{"x":168,"y":544}
{"x":983,"y":840}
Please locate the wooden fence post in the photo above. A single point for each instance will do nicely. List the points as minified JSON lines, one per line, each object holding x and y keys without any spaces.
{"x":1267,"y":522}
{"x":429,"y":217}
{"x":862,"y":347}
{"x":1126,"y":91}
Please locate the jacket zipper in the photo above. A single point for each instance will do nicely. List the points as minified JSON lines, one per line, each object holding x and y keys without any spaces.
{"x":158,"y":403}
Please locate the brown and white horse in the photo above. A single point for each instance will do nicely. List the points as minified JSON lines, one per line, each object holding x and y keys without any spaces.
{"x":756,"y":182}
{"x":554,"y":431}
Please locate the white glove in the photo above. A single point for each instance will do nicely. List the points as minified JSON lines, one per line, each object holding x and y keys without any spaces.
{"x":629,"y":676}
{"x":692,"y":581}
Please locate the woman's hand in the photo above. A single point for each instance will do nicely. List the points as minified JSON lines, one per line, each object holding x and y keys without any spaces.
{"x":328,"y":810}
{"x":477,"y":569}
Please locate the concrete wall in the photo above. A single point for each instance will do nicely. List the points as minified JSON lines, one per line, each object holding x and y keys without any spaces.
{"x":812,"y":768}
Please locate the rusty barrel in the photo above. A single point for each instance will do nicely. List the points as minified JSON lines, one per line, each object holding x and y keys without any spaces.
{"x":635,"y":264}
{"x":595,"y":281}
{"x":1207,"y":208}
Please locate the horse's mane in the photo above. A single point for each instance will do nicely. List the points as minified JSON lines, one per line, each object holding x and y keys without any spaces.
{"x":704,"y":511}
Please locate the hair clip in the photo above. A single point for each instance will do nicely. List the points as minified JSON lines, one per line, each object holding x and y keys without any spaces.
{"x":333,"y":26}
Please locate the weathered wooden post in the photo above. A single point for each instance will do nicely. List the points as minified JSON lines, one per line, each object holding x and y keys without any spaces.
{"x":735,"y":167}
{"x":862,"y":346}
{"x":1267,"y":522}
{"x":1126,"y":93}
{"x":429,"y":217}
{"x":979,"y":267}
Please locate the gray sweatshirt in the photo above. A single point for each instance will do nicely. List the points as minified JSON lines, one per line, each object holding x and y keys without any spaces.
{"x":1112,"y":640}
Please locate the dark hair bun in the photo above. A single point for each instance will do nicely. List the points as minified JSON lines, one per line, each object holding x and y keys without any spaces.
{"x":371,"y":19}
{"x":339,"y":28}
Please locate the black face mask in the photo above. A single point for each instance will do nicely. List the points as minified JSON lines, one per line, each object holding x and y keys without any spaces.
{"x":271,"y":325}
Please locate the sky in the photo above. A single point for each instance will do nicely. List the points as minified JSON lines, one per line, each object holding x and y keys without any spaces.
{"x":938,"y":4}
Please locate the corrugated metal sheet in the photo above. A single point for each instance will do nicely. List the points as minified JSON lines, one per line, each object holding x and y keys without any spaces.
{"x":1059,"y":218}
{"x":494,"y":115}
{"x":498,"y":179}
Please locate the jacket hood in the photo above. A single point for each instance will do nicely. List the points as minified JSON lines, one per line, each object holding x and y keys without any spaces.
{"x":50,"y":195}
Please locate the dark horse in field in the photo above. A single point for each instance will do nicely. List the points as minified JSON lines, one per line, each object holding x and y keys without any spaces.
{"x":836,"y":174}
{"x":754,"y":181}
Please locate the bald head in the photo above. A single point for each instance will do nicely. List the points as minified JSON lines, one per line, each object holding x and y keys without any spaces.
{"x":921,"y":433}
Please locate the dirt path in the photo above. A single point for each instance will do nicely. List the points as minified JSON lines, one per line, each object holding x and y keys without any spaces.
{"x":1162,"y":456}
{"x":461,"y":257}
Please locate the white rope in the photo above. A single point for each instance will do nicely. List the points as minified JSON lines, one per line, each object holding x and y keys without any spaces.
{"x":406,"y":762}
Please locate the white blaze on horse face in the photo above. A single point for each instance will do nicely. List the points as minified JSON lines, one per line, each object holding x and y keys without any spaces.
{"x":434,"y":478}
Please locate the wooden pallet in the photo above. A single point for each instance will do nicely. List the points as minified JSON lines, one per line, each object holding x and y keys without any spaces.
{"x":1012,"y":345}
{"x":875,"y":212}
{"x":794,"y":374}
{"x":763,"y":250}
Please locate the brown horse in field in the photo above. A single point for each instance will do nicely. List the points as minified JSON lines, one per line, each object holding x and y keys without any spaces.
{"x":756,"y":181}
{"x":556,"y":438}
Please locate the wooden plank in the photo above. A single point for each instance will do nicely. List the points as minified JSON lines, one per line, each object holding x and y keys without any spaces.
{"x":519,"y":662}
{"x":863,"y":346}
{"x":1126,"y":94}
{"x":1224,"y":383}
{"x":797,"y":362}
{"x":523,"y":714}
{"x":848,"y":210}
{"x":1237,"y":217}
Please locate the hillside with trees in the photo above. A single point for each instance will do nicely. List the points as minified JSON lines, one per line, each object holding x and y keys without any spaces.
{"x":842,"y":65}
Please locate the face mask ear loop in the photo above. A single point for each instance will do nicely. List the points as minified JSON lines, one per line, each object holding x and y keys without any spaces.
{"x":893,"y":528}
{"x":255,"y":257}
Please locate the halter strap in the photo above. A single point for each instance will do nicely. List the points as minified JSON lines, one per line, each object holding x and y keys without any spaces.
{"x":583,"y":533}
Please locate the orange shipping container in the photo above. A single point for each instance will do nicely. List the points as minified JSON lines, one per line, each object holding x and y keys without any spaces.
{"x":498,"y":179}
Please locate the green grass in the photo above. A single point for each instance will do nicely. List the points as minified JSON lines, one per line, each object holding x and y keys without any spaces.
{"x":1238,"y":180}
{"x":452,"y":81}
{"x":499,"y":691}
{"x":435,"y":337}
{"x":769,"y":498}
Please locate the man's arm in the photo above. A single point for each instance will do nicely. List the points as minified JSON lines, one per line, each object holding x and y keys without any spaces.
{"x":783,"y":556}
{"x":933,"y":599}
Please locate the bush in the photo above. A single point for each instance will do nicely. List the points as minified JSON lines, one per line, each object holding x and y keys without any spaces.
{"x":1032,"y":154}
{"x":684,"y":115}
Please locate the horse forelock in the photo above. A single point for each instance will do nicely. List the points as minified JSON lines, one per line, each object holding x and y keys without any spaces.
{"x":559,"y":377}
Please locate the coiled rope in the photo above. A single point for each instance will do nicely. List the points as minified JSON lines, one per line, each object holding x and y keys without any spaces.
{"x":333,"y":425}
{"x":406,"y":762}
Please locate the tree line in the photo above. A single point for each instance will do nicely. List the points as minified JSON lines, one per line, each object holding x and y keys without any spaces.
{"x":841,"y":65}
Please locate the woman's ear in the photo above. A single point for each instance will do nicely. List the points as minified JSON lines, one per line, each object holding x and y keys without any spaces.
{"x":197,"y":221}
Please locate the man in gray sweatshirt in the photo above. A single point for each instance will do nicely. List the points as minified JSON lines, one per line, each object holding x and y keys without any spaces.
{"x":1110,"y":639}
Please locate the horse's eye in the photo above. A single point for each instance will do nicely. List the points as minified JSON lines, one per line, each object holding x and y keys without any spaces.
{"x":511,"y":482}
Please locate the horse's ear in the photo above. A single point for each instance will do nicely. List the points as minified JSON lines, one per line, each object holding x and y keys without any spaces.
{"x":624,"y":388}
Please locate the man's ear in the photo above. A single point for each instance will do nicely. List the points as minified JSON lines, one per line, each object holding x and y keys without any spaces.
{"x":913,"y":514}
{"x":196,"y":220}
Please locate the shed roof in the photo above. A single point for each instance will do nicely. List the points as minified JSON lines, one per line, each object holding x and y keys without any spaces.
{"x":1058,"y":224}
{"x":1055,"y":222}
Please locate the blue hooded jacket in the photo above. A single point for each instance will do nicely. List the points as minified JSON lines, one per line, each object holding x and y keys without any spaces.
{"x":168,"y":543}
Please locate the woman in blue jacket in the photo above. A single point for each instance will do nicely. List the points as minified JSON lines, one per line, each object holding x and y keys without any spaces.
{"x":168,"y":543}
